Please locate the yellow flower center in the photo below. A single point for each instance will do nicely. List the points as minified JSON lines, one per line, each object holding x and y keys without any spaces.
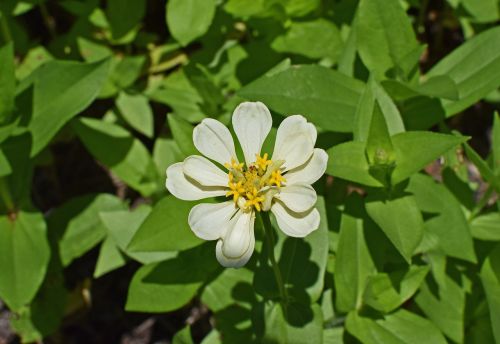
{"x":247,"y":185}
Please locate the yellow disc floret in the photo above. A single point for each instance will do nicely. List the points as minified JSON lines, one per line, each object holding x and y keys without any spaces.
{"x":249,"y":185}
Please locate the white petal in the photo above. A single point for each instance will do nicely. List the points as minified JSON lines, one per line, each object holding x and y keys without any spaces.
{"x":213,"y":139}
{"x":237,"y":244}
{"x":298,"y":197}
{"x":183,"y":187}
{"x":311,"y":171}
{"x":251,"y":122}
{"x":295,"y":224}
{"x":204,"y":171}
{"x":209,"y":220}
{"x":295,"y":141}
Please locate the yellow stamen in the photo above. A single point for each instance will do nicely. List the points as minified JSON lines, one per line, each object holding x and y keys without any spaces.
{"x":234,"y":165}
{"x":235,"y":189}
{"x":276,"y":179}
{"x":253,"y":199}
{"x":262,"y":162}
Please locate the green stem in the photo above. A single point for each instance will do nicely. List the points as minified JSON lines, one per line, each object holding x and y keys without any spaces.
{"x":268,"y":228}
{"x":4,"y":28}
{"x":5,"y":195}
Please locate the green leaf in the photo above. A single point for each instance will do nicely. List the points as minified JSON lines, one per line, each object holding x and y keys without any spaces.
{"x":348,"y":161}
{"x":25,"y":256}
{"x":169,"y":285}
{"x":165,"y":153}
{"x":110,"y":258}
{"x":189,"y":19}
{"x":387,"y":291}
{"x":400,"y":220}
{"x":482,"y":11}
{"x":315,"y":39}
{"x":183,"y":134}
{"x":7,"y":82}
{"x":124,"y":15}
{"x":448,"y":222}
{"x":166,"y":228}
{"x":353,"y":264}
{"x":183,"y":336}
{"x":379,"y":148}
{"x":415,"y":150}
{"x":122,"y":225}
{"x":474,"y":75}
{"x":302,"y":324}
{"x":326,"y":97}
{"x":136,"y":110}
{"x":490,"y":278}
{"x":495,"y":144}
{"x":440,"y":86}
{"x":486,"y":227}
{"x":385,"y":37}
{"x":78,"y":225}
{"x":444,"y":306}
{"x":401,"y":327}
{"x":62,"y":90}
{"x":118,"y":150}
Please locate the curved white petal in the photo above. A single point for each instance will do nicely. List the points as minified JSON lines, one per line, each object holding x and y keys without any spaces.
{"x":185,"y":188}
{"x":298,"y":197}
{"x":209,"y":220}
{"x":213,"y":139}
{"x":311,"y":171}
{"x":295,"y":141}
{"x":204,"y":171}
{"x":295,"y":224}
{"x":251,"y":122}
{"x":237,"y":244}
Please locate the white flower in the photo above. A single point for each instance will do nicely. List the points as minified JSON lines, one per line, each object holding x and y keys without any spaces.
{"x":281,"y":184}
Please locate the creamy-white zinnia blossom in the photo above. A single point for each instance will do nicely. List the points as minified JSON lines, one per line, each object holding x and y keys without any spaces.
{"x":281,"y":184}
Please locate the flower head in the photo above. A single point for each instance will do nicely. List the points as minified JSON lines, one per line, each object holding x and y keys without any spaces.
{"x":280,"y":184}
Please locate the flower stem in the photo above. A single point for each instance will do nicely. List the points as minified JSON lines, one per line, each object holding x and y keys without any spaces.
{"x":4,"y":28}
{"x":268,"y":228}
{"x":5,"y":195}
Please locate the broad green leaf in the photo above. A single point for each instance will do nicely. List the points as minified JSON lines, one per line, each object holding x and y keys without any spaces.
{"x":182,"y":132}
{"x":302,"y":324}
{"x":475,"y":75}
{"x":400,"y":220}
{"x":401,"y":327}
{"x":110,"y":258}
{"x":62,"y":90}
{"x":324,"y":96}
{"x":7,"y":82}
{"x":415,"y":150}
{"x":387,"y":291}
{"x":353,"y":264}
{"x":124,"y":15}
{"x":448,"y":222}
{"x":189,"y":19}
{"x":166,"y":228}
{"x":490,"y":278}
{"x":136,"y":110}
{"x":25,"y":256}
{"x":315,"y":39}
{"x":482,"y":11}
{"x":220,"y":293}
{"x":169,"y":285}
{"x":78,"y":225}
{"x":348,"y":161}
{"x":444,"y":306}
{"x":118,"y":150}
{"x":440,"y":86}
{"x":385,"y":37}
{"x":486,"y":227}
{"x":122,"y":226}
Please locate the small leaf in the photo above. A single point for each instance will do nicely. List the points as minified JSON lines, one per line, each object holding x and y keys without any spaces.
{"x":490,"y":278}
{"x":124,"y":16}
{"x":189,"y":19}
{"x":400,"y":220}
{"x":136,"y":110}
{"x":110,"y":258}
{"x":486,"y":227}
{"x":24,"y":258}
